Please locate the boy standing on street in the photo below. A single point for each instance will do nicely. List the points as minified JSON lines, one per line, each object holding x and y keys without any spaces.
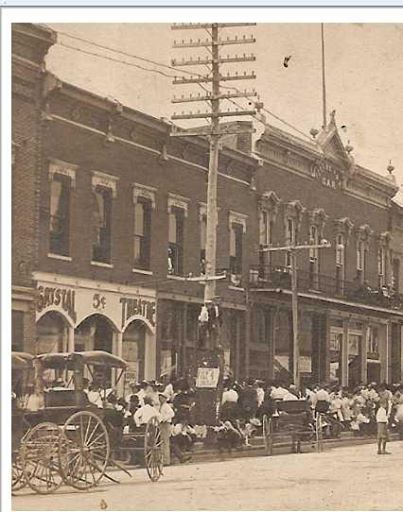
{"x":382,"y":420}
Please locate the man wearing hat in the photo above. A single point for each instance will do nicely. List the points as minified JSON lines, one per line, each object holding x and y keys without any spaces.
{"x":166,"y":414}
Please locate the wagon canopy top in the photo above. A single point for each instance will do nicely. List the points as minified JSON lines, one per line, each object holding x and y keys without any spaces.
{"x":21,"y":360}
{"x":72,"y":360}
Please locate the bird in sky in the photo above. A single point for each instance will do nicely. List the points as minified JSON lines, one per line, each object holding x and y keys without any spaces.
{"x":286,"y":61}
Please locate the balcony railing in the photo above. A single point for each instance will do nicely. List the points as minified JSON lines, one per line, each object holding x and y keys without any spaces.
{"x":279,"y":278}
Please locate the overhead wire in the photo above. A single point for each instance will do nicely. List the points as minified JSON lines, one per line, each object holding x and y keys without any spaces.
{"x":166,"y":66}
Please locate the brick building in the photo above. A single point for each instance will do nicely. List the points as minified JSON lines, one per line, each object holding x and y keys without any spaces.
{"x":350,"y":314}
{"x":30,"y":44}
{"x":109,"y":222}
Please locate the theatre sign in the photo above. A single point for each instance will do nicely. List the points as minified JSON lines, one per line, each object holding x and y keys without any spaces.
{"x":77,"y":299}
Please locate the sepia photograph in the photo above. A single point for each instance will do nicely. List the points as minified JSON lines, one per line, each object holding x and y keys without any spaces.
{"x":207,"y":264}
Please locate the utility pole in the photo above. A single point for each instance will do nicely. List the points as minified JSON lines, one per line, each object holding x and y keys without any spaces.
{"x":214,"y":98}
{"x":293,"y":250}
{"x":324,"y":110}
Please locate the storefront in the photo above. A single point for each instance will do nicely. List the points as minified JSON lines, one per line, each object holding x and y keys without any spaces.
{"x":82,"y":314}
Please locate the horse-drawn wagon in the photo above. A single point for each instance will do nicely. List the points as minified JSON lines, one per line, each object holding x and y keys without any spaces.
{"x":69,"y":439}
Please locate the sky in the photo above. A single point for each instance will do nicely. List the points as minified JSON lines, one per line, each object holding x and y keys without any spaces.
{"x":364,"y":76}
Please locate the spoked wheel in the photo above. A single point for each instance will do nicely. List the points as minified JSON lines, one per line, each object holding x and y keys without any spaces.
{"x":18,"y":479}
{"x":85,"y":452}
{"x":267,"y":434}
{"x":319,"y":432}
{"x":39,"y":458}
{"x":153,"y":449}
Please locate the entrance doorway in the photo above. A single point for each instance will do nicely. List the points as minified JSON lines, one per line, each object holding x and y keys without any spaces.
{"x":52,"y":333}
{"x":133,"y":350}
{"x":94,"y":333}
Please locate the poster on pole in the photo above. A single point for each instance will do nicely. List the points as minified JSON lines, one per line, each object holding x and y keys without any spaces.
{"x":207,"y":377}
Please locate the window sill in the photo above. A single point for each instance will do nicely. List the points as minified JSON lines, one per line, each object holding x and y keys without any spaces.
{"x":100,"y":264}
{"x":141,"y":271}
{"x":59,"y":257}
{"x":236,"y":288}
{"x":176,"y":278}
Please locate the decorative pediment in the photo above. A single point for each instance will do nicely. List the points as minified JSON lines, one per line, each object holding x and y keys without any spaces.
{"x":364,"y":232}
{"x":318,"y":217}
{"x":294,"y":209}
{"x":237,"y":218}
{"x":269,"y":201}
{"x":101,"y":179}
{"x":63,"y":168}
{"x":332,"y":145}
{"x":144,"y":192}
{"x":385,"y":238}
{"x":344,"y":226}
{"x":176,"y":201}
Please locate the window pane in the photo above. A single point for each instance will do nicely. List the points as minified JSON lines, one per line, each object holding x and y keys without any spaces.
{"x":232,"y":248}
{"x":59,"y":215}
{"x":139,"y":219}
{"x":137,"y":249}
{"x":172,"y":228}
{"x":102,"y":214}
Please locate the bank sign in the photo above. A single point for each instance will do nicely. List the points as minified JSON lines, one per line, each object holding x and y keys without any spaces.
{"x":326,"y":174}
{"x":77,"y":303}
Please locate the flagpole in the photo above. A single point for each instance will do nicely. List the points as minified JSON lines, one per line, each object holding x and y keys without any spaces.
{"x":322,"y":30}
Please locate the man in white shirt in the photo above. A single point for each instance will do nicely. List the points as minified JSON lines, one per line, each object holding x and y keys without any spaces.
{"x":290,"y":394}
{"x":229,"y":395}
{"x":166,"y":415}
{"x":279,"y":392}
{"x":145,"y":413}
{"x":96,"y":396}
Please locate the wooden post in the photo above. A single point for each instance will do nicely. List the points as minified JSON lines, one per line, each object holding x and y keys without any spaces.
{"x":294,"y":297}
{"x":344,"y":352}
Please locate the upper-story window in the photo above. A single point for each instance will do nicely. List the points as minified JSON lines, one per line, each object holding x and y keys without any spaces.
{"x":340,"y":263}
{"x":236,"y":249}
{"x":142,"y":234}
{"x":175,"y":241}
{"x":177,"y":211}
{"x":62,"y":180}
{"x":381,"y":266}
{"x":313,"y":257}
{"x":364,"y":233}
{"x":396,"y":274}
{"x":266,"y":229}
{"x":104,"y":189}
{"x":269,"y":204}
{"x":340,"y":251}
{"x":144,"y":202}
{"x":292,"y":220}
{"x":343,"y":227}
{"x":383,"y":258}
{"x":59,"y":225}
{"x":102,"y":215}
{"x":290,"y":238}
{"x":237,"y":226}
{"x":361,"y":261}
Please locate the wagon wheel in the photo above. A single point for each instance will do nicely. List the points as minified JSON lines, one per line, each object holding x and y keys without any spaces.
{"x":153,"y":449}
{"x":319,"y":432}
{"x":18,"y":480}
{"x":39,"y":458}
{"x":85,"y":452}
{"x":267,"y":434}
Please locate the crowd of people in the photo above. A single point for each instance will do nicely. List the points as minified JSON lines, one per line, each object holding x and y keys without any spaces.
{"x":365,"y":410}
